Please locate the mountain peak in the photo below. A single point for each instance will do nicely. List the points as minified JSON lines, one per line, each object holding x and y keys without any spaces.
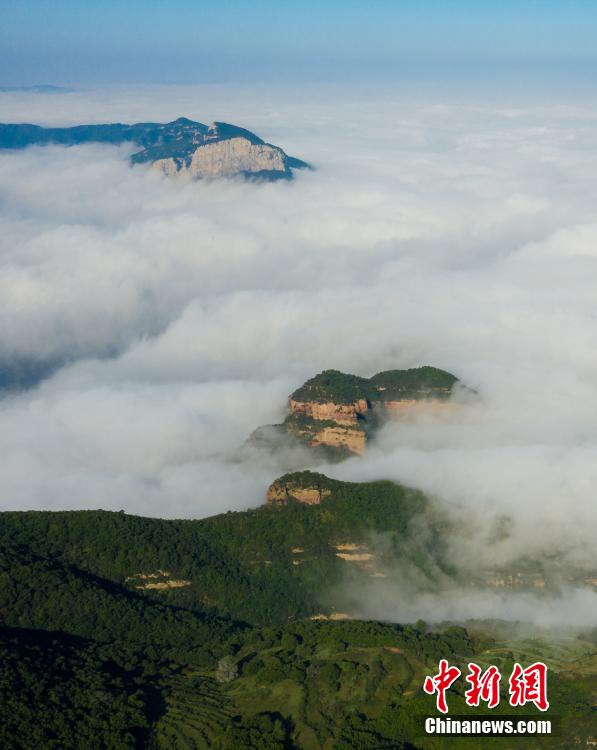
{"x":184,"y":121}
{"x":337,"y":413}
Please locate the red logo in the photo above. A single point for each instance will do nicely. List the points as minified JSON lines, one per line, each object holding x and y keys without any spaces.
{"x":526,"y":685}
{"x":440,"y":682}
{"x":485,"y":686}
{"x":529,"y":685}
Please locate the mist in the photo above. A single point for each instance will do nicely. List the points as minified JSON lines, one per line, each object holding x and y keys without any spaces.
{"x":150,"y":324}
{"x":572,"y":610}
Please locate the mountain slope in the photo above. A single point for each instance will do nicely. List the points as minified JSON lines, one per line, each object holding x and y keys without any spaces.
{"x":122,"y":625}
{"x":64,"y":693}
{"x":259,"y":566}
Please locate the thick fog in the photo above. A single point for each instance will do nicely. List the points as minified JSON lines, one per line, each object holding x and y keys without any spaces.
{"x":153,"y":323}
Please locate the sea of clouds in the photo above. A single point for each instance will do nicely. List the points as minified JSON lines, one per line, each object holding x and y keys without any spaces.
{"x":153,"y":323}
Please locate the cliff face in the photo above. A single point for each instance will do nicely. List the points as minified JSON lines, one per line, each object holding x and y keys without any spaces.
{"x":345,"y":414}
{"x":226,"y":158}
{"x":314,"y":433}
{"x":352,"y":441}
{"x":340,"y":413}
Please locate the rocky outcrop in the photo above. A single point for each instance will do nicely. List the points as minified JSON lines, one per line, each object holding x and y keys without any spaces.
{"x":304,"y":487}
{"x":165,"y":585}
{"x":181,"y":147}
{"x":337,"y":414}
{"x":160,"y":581}
{"x":221,"y":150}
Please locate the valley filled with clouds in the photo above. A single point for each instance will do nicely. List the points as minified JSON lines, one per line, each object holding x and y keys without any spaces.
{"x":150,"y":324}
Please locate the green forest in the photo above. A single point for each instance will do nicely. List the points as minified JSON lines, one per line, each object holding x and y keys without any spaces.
{"x":120,"y":631}
{"x":341,"y":388}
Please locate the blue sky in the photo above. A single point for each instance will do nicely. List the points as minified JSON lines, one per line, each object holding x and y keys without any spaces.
{"x":125,"y":41}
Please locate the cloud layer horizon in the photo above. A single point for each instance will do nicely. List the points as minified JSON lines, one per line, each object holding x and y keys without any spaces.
{"x":168,"y":319}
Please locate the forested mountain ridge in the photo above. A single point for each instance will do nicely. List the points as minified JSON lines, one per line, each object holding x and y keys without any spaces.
{"x":182,"y":146}
{"x":258,"y":566}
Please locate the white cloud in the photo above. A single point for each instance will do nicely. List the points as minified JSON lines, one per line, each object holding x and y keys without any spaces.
{"x":443,"y":233}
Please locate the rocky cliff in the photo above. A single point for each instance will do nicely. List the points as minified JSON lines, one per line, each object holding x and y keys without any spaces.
{"x":304,"y":487}
{"x":337,"y":413}
{"x":181,"y":147}
{"x":344,"y":414}
{"x":236,"y":156}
